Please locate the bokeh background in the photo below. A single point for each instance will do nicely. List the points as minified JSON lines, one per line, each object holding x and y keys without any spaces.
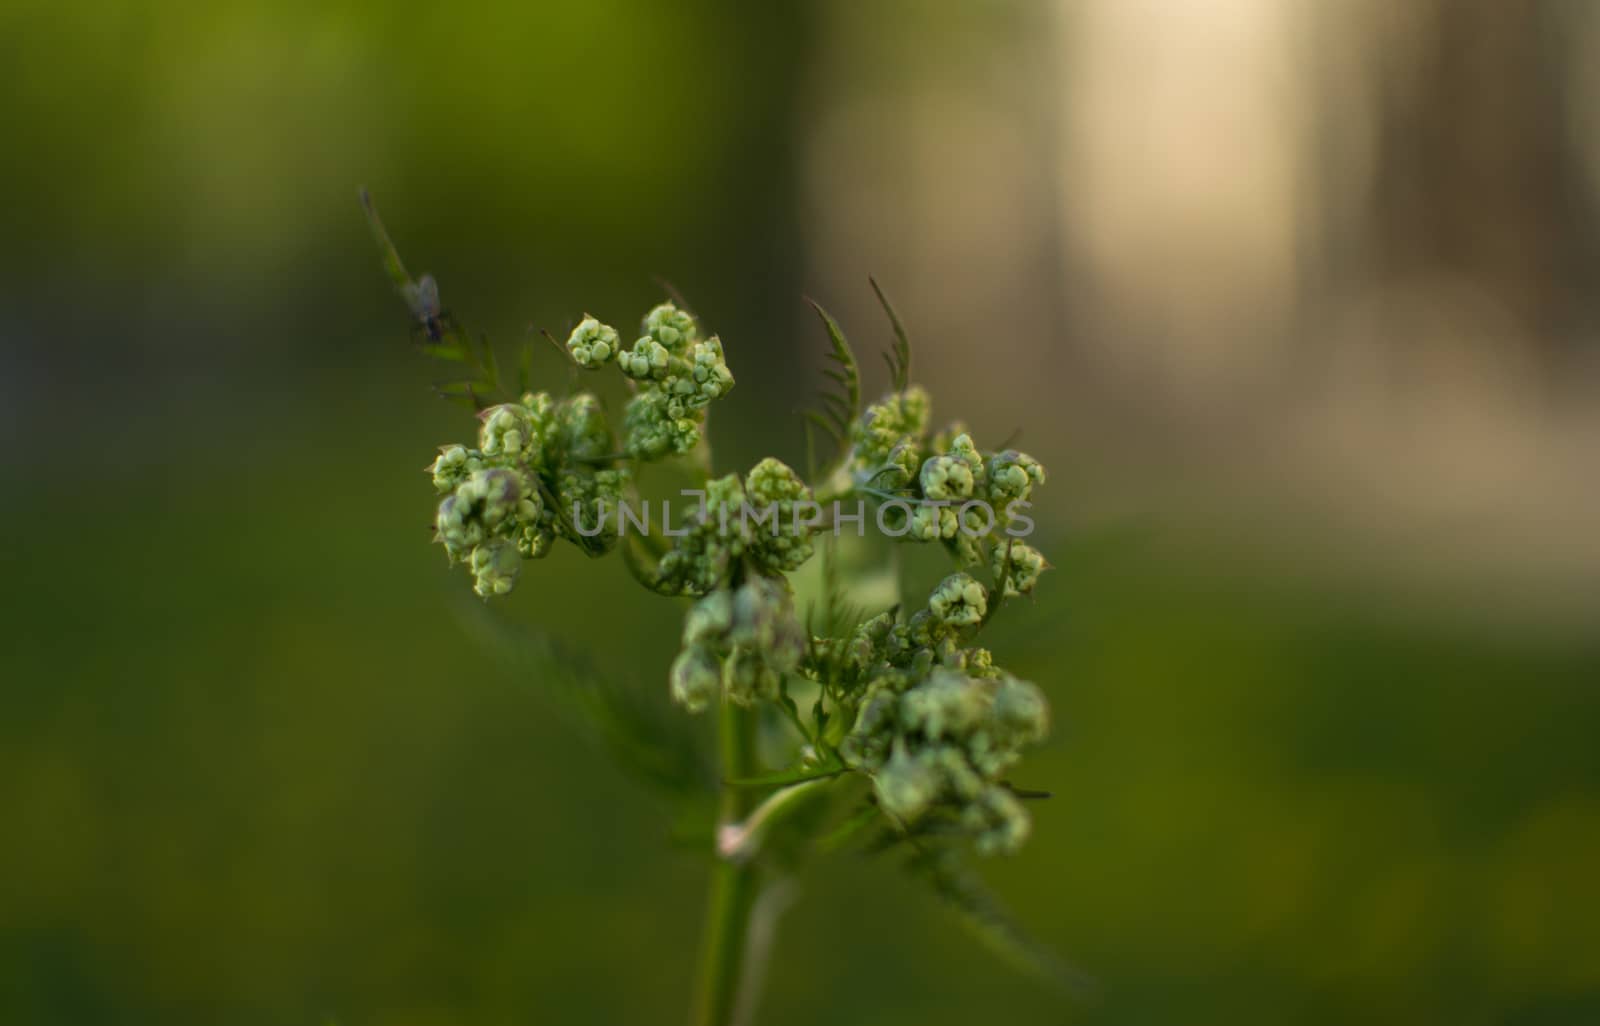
{"x":1299,"y":301}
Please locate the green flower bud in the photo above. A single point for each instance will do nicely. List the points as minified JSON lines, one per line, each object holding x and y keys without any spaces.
{"x":1021,"y":714}
{"x":588,"y":505}
{"x":725,"y":492}
{"x":541,"y":410}
{"x":482,"y":504}
{"x":696,"y":678}
{"x":931,"y":523}
{"x":955,"y":475}
{"x":921,"y":631}
{"x":508,"y":433}
{"x":772,"y":480}
{"x":773,"y":489}
{"x":671,"y":327}
{"x":542,"y":416}
{"x":593,"y":344}
{"x":900,"y":419}
{"x":947,"y":704}
{"x":965,"y":450}
{"x":583,"y":430}
{"x":968,"y":549}
{"x":648,"y":360}
{"x":869,"y":640}
{"x":709,"y":619}
{"x":1021,"y":570}
{"x":946,"y":477}
{"x":495,"y":565}
{"x":1012,"y":477}
{"x":978,"y":662}
{"x":453,"y":465}
{"x":867,"y":744}
{"x":764,"y":622}
{"x":651,"y":432}
{"x":958,"y":601}
{"x":534,"y":540}
{"x":906,"y":785}
{"x":708,"y":371}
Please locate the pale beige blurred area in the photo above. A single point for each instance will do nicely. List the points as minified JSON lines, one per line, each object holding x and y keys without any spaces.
{"x":1321,"y":277}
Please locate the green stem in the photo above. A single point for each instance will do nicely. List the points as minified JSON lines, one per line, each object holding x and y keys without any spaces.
{"x":733,"y":882}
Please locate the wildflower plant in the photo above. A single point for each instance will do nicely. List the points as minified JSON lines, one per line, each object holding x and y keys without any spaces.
{"x":903,"y":731}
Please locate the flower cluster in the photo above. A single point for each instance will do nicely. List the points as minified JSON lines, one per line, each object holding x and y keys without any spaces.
{"x":905,"y":727}
{"x":676,"y":372}
{"x":944,"y":488}
{"x":738,"y":643}
{"x":545,"y":469}
{"x":542,"y":470}
{"x":751,"y":522}
{"x":910,"y":702}
{"x":937,"y":724}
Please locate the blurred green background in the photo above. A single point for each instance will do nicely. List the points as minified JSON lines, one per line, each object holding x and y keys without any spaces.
{"x":1296,"y":301}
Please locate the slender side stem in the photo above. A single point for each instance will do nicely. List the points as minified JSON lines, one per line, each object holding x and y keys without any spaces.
{"x":733,"y":882}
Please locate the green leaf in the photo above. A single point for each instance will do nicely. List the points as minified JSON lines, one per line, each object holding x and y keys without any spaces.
{"x":391,"y":256}
{"x":842,"y":405}
{"x":899,"y":357}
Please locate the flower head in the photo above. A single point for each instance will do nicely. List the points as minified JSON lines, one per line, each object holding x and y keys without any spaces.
{"x":958,"y":601}
{"x":671,"y":327}
{"x":593,"y":344}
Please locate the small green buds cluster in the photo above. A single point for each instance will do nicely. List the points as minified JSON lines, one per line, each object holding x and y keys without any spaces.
{"x":890,"y":432}
{"x":1018,"y":565}
{"x":955,"y":474}
{"x":937,"y":724}
{"x":738,"y":643}
{"x":495,"y":567}
{"x":592,"y":344}
{"x":675,"y":372}
{"x":678,"y":375}
{"x":776,"y":493}
{"x":545,"y":468}
{"x":542,"y":469}
{"x":959,"y":601}
{"x":941,"y":488}
{"x":757,"y":521}
{"x":1012,"y":476}
{"x":483,"y":517}
{"x":908,"y":701}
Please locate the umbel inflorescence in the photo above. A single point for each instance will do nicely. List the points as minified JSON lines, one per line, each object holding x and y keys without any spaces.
{"x":901,"y":697}
{"x":909,"y":699}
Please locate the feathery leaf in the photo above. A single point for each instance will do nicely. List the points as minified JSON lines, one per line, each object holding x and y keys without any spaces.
{"x":842,"y":406}
{"x":391,"y":256}
{"x":898,"y":358}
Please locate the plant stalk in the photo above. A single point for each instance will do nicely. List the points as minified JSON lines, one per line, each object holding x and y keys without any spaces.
{"x":734,"y":883}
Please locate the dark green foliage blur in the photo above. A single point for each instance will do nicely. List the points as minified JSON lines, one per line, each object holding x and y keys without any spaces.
{"x":256,"y":768}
